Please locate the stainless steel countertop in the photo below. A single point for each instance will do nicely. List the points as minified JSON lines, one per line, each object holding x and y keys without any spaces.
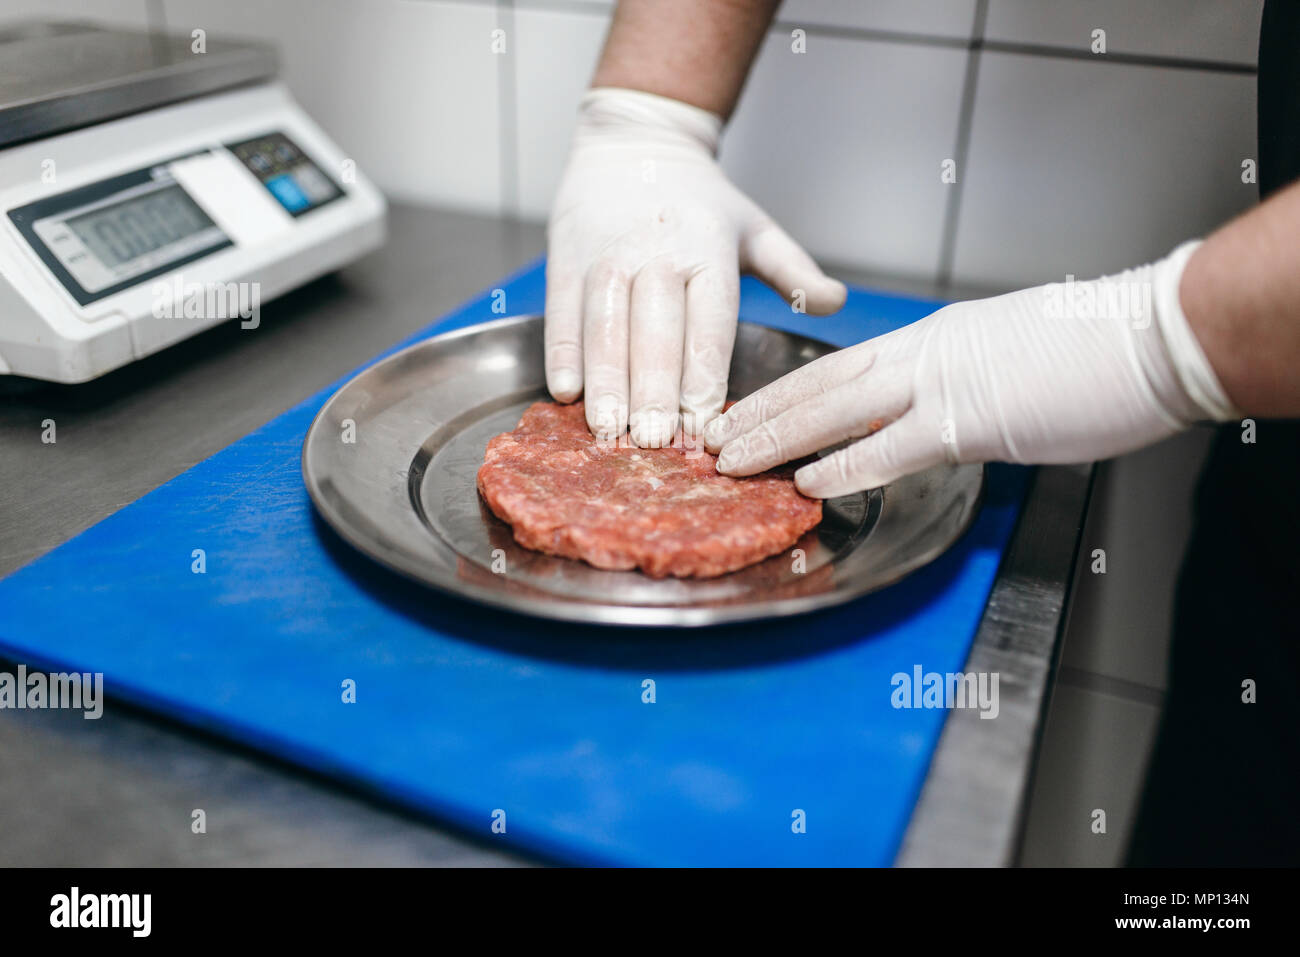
{"x":121,"y":790}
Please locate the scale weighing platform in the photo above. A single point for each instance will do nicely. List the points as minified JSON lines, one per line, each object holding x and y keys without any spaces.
{"x":148,"y":192}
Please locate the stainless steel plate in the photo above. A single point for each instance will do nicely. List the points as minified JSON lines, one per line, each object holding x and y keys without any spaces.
{"x":390,"y":462}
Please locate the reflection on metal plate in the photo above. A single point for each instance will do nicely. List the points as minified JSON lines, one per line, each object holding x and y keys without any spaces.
{"x":404,"y":492}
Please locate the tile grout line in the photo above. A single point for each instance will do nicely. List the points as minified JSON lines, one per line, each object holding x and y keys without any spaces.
{"x":1135,"y":691}
{"x":507,"y":114}
{"x":1022,"y":48}
{"x":961,"y":152}
{"x":1127,"y":59}
{"x":155,"y":16}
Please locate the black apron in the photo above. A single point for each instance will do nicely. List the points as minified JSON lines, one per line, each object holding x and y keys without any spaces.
{"x":1224,"y":782}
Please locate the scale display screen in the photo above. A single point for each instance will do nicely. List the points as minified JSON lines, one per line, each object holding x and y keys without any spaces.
{"x":102,"y":238}
{"x":131,"y":230}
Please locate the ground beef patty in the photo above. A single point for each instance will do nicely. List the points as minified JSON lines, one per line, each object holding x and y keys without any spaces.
{"x":665,"y":511}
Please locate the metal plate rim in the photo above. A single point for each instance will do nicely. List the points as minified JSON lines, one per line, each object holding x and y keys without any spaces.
{"x":567,"y":610}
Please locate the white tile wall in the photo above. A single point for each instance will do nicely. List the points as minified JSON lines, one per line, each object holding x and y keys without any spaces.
{"x":410,"y":89}
{"x":1074,"y":166}
{"x":556,"y":54}
{"x":565,"y":6}
{"x":946,"y":18}
{"x":1141,"y":516}
{"x":843,"y":146}
{"x":1226,"y":30}
{"x":1082,"y":167}
{"x":1094,"y":749}
{"x":1118,"y":628}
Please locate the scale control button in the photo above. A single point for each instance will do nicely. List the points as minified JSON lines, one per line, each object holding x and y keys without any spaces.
{"x":314,"y":183}
{"x":288,"y":192}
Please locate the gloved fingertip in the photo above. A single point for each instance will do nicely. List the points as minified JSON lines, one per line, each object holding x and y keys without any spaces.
{"x":729,"y":460}
{"x":820,"y":480}
{"x":717,"y":432}
{"x":827,"y":296}
{"x":565,"y":385}
{"x":652,"y":428}
{"x":607,"y":418}
{"x":805,"y":480}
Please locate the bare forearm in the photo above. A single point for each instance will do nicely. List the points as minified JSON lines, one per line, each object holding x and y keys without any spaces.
{"x":693,"y":51}
{"x":1241,"y":295}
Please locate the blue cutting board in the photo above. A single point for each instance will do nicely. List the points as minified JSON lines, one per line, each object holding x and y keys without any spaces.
{"x":478,"y":716}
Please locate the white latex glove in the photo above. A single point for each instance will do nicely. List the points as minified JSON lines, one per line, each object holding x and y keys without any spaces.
{"x":646,"y":240}
{"x":1068,"y":372}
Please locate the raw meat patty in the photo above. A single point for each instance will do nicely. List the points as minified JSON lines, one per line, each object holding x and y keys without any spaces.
{"x":665,"y":511}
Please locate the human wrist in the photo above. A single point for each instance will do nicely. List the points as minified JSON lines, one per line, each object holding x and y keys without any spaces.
{"x":614,"y":113}
{"x":1199,"y":384}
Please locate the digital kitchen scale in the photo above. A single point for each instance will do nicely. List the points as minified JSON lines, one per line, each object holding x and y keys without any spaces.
{"x":149,"y":191}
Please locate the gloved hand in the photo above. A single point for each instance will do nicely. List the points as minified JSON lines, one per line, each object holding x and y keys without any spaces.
{"x":646,"y":239}
{"x":1068,"y":372}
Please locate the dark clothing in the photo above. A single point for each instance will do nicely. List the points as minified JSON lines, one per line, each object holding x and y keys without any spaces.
{"x":1224,"y":783}
{"x":1278,"y":109}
